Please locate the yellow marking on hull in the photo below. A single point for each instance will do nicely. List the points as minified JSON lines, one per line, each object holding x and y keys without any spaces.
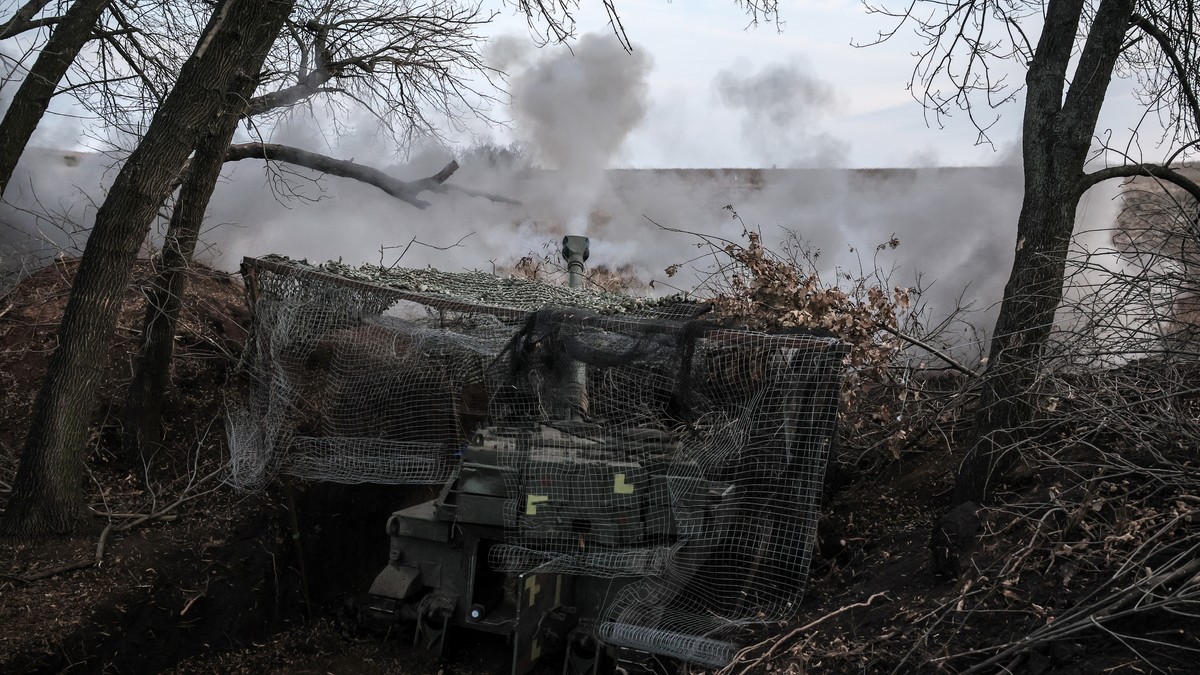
{"x":532,"y":501}
{"x":620,"y":486}
{"x":533,"y":587}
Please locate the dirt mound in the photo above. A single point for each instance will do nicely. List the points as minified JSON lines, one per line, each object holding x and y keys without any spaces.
{"x":207,"y":573}
{"x":212,"y":329}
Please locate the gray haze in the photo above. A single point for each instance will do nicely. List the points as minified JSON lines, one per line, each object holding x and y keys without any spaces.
{"x":48,"y":207}
{"x":780,"y":104}
{"x":574,"y":112}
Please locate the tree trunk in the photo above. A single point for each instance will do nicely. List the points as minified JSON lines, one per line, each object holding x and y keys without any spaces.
{"x":1031,"y":298}
{"x":141,"y":419}
{"x":33,"y":96}
{"x":1056,"y":137}
{"x":47,"y":493}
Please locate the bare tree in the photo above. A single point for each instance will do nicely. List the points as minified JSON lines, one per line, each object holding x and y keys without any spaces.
{"x":1068,"y":70}
{"x":47,"y":493}
{"x":141,"y":417}
{"x":553,"y":21}
{"x":415,"y":65}
{"x":400,"y":62}
{"x":73,"y":31}
{"x":116,"y":59}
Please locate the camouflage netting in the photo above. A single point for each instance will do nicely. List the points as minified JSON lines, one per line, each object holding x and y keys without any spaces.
{"x":636,"y":440}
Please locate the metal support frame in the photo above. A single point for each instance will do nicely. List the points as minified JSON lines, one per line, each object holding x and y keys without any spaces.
{"x":433,"y":622}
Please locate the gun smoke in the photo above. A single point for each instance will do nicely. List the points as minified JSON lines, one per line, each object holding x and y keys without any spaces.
{"x":574,"y":112}
{"x":779,"y":105}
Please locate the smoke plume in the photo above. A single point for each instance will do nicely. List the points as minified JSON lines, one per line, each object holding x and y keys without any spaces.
{"x":574,"y":109}
{"x":573,"y":112}
{"x":779,"y":105}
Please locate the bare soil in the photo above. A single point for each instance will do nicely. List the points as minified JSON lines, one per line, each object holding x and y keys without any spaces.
{"x":215,"y":586}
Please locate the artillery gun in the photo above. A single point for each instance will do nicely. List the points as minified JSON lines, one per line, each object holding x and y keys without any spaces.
{"x":447,"y":565}
{"x":619,"y":482}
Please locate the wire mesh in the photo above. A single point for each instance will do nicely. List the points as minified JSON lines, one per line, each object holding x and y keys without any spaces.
{"x":684,"y":455}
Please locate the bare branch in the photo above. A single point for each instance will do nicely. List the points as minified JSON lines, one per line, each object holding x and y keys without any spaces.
{"x":416,"y":67}
{"x":292,"y":95}
{"x":932,"y":350}
{"x":402,"y":190}
{"x":1184,"y":79}
{"x":1132,"y":170}
{"x":775,"y":643}
{"x":22,"y":20}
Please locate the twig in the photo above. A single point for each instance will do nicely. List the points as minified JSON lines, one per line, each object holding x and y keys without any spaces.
{"x":941,"y":614}
{"x":185,"y":497}
{"x":932,"y":350}
{"x":189,"y":604}
{"x":166,"y":518}
{"x":414,"y":240}
{"x":775,"y":643}
{"x":138,"y":519}
{"x":1112,"y":607}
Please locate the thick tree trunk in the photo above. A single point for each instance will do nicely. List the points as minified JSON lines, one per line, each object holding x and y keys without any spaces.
{"x":1031,"y":299}
{"x":47,"y":494}
{"x":33,"y":96}
{"x":1056,"y":136}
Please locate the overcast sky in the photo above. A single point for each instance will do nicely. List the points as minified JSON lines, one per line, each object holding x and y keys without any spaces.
{"x":723,"y":94}
{"x":701,"y":90}
{"x":867,"y":115}
{"x":869,"y":118}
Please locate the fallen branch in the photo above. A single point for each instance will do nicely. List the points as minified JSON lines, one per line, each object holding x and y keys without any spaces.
{"x":138,"y":519}
{"x":403,"y":190}
{"x":54,"y":571}
{"x":1112,"y":607}
{"x":932,"y":350}
{"x":70,"y":567}
{"x":776,"y":643}
{"x":166,"y":518}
